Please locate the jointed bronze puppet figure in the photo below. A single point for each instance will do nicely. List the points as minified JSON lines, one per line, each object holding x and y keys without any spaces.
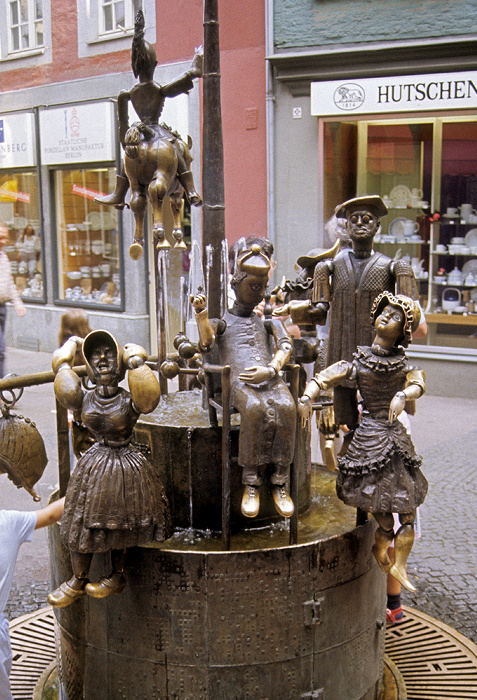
{"x":156,"y":160}
{"x":114,"y":498}
{"x":380,"y":472}
{"x":346,"y":287}
{"x":256,"y":352}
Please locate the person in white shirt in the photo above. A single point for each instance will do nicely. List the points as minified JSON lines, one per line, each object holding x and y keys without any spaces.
{"x":16,"y":527}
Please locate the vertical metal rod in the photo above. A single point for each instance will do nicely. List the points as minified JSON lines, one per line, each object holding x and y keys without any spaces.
{"x":294,"y":387}
{"x":226,"y":458}
{"x":213,"y":208}
{"x":62,"y":429}
{"x":161,"y":319}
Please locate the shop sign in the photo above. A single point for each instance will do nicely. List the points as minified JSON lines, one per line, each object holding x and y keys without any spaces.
{"x":77,"y":134}
{"x":17,"y":140}
{"x":409,"y":93}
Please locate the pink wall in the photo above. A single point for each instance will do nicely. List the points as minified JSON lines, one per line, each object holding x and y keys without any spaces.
{"x":242,"y":41}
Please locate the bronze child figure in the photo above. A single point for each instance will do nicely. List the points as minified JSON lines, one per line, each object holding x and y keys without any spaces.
{"x":256,"y":352}
{"x":114,"y":499}
{"x":380,"y":472}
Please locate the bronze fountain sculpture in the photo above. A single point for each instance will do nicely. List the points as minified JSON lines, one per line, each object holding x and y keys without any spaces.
{"x":194,"y":620}
{"x":346,"y":287}
{"x":266,"y":407}
{"x":114,"y":499}
{"x":156,"y":160}
{"x":380,"y":472}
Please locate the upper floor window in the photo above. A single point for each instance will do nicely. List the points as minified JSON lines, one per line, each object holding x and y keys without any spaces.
{"x":25,"y":20}
{"x":118,"y":15}
{"x":107,"y":26}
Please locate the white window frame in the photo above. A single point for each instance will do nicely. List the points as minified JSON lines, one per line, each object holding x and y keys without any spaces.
{"x":129,"y":15}
{"x":94,"y":39}
{"x":34,"y":54}
{"x":31,"y":22}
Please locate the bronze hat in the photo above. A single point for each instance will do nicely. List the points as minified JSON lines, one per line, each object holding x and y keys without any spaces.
{"x":253,"y":261}
{"x":372,"y":202}
{"x":411,"y":309}
{"x":92,"y":340}
{"x":316,"y":254}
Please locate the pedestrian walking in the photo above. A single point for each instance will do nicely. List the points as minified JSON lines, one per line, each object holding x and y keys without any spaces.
{"x":8,"y":292}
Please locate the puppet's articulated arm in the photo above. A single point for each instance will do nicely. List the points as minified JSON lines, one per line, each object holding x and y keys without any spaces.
{"x":326,"y":379}
{"x":67,"y":384}
{"x":284,"y":345}
{"x":142,"y":382}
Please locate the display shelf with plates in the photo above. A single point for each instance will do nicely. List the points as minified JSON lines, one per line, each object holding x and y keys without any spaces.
{"x":453,"y":259}
{"x":407,"y":236}
{"x":25,"y":256}
{"x":89,"y":260}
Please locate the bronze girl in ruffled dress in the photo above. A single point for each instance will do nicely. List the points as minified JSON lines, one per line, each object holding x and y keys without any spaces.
{"x":380,"y":472}
{"x":114,"y":498}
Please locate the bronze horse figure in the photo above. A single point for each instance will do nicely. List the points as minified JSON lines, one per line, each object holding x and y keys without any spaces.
{"x":151,"y":165}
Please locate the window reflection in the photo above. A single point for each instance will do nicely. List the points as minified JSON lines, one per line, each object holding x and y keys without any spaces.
{"x":88,"y":240}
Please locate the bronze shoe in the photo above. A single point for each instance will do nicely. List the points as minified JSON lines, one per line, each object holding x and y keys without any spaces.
{"x":250,"y":501}
{"x":384,"y":540}
{"x":400,"y":574}
{"x":114,"y":583}
{"x":283,"y":502}
{"x":68,"y":592}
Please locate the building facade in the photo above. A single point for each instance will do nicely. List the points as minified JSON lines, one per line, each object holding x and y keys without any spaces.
{"x":381,"y":98}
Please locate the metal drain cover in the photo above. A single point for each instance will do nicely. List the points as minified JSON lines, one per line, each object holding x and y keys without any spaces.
{"x":33,"y":649}
{"x":435,"y":661}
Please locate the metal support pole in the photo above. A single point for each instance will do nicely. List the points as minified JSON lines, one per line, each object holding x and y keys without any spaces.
{"x":226,"y":458}
{"x":213,"y":208}
{"x":64,"y":466}
{"x":294,"y":388}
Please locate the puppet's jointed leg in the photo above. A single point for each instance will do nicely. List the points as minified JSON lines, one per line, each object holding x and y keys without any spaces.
{"x":70,"y":590}
{"x":115,"y":582}
{"x":383,"y":539}
{"x":402,"y":548}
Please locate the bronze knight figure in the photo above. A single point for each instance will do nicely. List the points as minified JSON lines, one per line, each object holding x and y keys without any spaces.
{"x":156,"y":160}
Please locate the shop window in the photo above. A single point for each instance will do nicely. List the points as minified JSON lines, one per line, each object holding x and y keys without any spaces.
{"x":19,"y":209}
{"x":88,"y":247}
{"x":426,"y":172}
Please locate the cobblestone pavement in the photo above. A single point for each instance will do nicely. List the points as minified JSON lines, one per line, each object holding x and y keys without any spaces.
{"x":443,"y":563}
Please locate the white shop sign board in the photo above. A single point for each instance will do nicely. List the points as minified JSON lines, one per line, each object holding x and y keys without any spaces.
{"x":82,"y":133}
{"x":17,"y":140}
{"x":410,"y":93}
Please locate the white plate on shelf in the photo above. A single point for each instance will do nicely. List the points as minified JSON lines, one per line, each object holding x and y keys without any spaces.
{"x":400,"y":195}
{"x":396,"y":228}
{"x":471,"y":238}
{"x":470,"y":266}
